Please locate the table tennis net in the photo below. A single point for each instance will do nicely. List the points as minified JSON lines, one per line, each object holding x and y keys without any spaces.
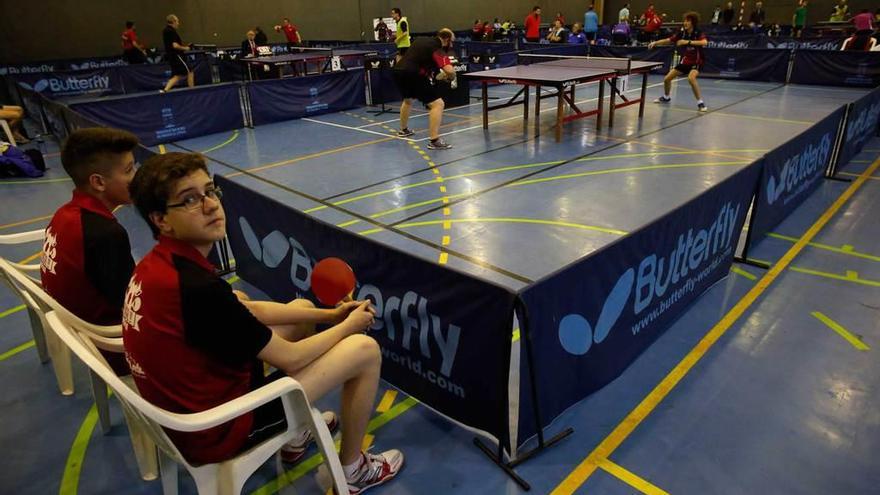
{"x":622,"y":64}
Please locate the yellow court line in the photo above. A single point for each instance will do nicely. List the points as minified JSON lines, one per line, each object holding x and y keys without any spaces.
{"x":25,"y":222}
{"x":847,"y":250}
{"x":849,"y":277}
{"x":224,"y":143}
{"x":10,"y":311}
{"x":739,"y":271}
{"x":554,"y":223}
{"x":628,"y":169}
{"x":15,"y":350}
{"x":846,"y":334}
{"x":307,"y":465}
{"x":162,"y":149}
{"x":31,"y":258}
{"x":631,"y":479}
{"x":516,"y":335}
{"x":387,"y":401}
{"x":604,"y":450}
{"x":73,"y":466}
{"x":718,"y":153}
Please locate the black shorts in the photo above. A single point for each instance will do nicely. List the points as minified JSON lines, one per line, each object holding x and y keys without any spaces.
{"x":134,"y":56}
{"x":269,"y":419}
{"x":414,"y":85}
{"x":687,"y":68}
{"x":590,"y":35}
{"x":402,"y":50}
{"x":178,"y":64}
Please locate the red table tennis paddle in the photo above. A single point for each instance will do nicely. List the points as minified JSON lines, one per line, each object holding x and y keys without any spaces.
{"x":332,"y":281}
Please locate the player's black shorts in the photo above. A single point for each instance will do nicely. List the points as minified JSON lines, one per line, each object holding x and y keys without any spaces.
{"x":178,"y":65}
{"x":687,"y":68}
{"x":402,"y":50}
{"x":414,"y":85}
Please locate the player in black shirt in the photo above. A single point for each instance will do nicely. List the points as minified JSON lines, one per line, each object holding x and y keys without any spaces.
{"x":414,"y":76}
{"x":174,"y":53}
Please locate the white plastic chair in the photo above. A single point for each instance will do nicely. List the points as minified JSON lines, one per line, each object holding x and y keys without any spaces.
{"x":107,"y":338}
{"x":8,"y":131}
{"x":224,"y":478}
{"x":36,"y":323}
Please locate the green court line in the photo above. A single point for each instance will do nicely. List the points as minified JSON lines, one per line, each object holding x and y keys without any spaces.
{"x":826,"y":247}
{"x":554,"y":223}
{"x":316,"y":460}
{"x":224,"y":143}
{"x":846,"y":334}
{"x":739,"y":271}
{"x":12,"y":310}
{"x":15,"y":350}
{"x":35,"y":181}
{"x":434,"y":180}
{"x":73,"y":467}
{"x":629,"y":169}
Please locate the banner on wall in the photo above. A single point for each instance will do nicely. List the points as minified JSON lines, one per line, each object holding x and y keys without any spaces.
{"x":791,"y":172}
{"x":92,"y":82}
{"x":445,"y":336}
{"x":849,"y":68}
{"x":589,"y":320}
{"x":152,"y":77}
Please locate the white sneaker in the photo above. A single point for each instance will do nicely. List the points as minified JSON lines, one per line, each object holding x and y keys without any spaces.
{"x":702,"y":107}
{"x":374,"y":470}
{"x":293,"y":451}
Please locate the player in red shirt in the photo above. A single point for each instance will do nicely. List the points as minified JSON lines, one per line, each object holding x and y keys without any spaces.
{"x":132,"y":51}
{"x":193,"y":345}
{"x":294,"y":38}
{"x":691,"y":42}
{"x":533,"y":25}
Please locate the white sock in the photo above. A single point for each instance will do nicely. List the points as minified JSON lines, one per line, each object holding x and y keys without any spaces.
{"x":350,"y":469}
{"x":700,"y":102}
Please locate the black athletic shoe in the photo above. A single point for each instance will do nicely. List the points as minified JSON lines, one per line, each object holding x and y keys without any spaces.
{"x":439,"y":144}
{"x":405,"y":133}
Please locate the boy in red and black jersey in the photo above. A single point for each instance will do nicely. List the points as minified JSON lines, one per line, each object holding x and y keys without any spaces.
{"x":691,"y":41}
{"x":192,"y":344}
{"x":86,"y":260}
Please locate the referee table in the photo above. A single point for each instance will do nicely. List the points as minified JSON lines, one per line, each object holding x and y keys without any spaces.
{"x":564,"y":73}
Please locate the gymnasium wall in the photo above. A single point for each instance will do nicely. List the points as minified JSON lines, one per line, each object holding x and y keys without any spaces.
{"x":86,"y":28}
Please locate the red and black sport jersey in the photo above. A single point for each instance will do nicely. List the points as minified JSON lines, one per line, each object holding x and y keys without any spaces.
{"x":420,"y":56}
{"x":690,"y":55}
{"x":191,"y":345}
{"x":86,"y":260}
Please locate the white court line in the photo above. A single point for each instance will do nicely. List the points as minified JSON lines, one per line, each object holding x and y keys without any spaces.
{"x":354,"y":128}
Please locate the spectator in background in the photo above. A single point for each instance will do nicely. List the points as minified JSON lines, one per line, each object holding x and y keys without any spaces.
{"x":557,"y":33}
{"x":652,"y":23}
{"x":294,"y":39}
{"x":488,"y":32}
{"x":840,"y":12}
{"x":620,"y":33}
{"x":728,"y":14}
{"x":382,"y":31}
{"x":863,"y":21}
{"x":260,"y":37}
{"x":506,"y":26}
{"x":13,"y":115}
{"x":799,"y":19}
{"x":560,"y":18}
{"x":623,"y":14}
{"x":716,"y":16}
{"x":497,"y":27}
{"x":249,"y":45}
{"x":577,"y":36}
{"x":477,"y":31}
{"x":591,"y":23}
{"x":533,"y":25}
{"x":132,"y":51}
{"x":756,"y":19}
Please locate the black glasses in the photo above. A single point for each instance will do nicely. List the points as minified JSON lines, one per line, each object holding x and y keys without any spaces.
{"x":195,"y":200}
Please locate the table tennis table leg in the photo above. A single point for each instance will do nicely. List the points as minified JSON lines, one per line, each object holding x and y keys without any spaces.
{"x":644,"y":93}
{"x":560,"y":112}
{"x":525,"y":103}
{"x":613,"y":91}
{"x":538,"y":105}
{"x":601,"y":103}
{"x":485,"y":105}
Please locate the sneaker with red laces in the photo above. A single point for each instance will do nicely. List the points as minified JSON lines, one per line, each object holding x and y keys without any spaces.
{"x":294,"y":450}
{"x":374,"y":470}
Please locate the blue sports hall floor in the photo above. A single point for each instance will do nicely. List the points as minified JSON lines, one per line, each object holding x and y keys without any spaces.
{"x":781,"y":404}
